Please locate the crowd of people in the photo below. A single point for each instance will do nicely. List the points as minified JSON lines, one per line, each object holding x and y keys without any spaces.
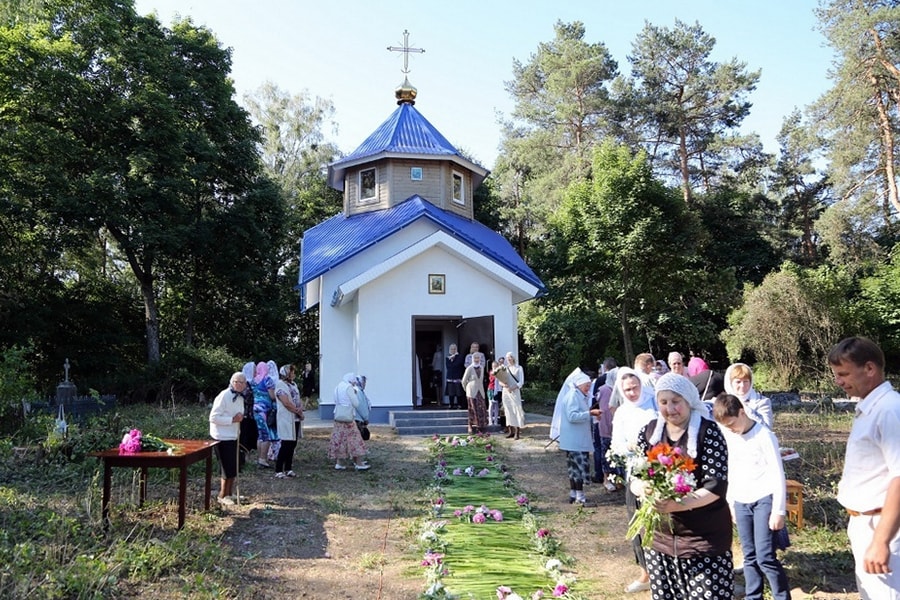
{"x":719,"y":421}
{"x":725,"y":426}
{"x":727,"y":429}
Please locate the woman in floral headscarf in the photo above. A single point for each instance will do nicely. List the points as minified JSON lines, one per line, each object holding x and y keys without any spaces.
{"x":346,"y":441}
{"x":691,"y":552}
{"x":263,"y":404}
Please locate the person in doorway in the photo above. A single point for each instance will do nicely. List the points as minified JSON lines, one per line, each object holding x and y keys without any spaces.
{"x":474,"y":348}
{"x":512,"y":396}
{"x":870,"y":485}
{"x":437,"y":369}
{"x":455,"y":368}
{"x":473,"y":383}
{"x":225,"y":427}
{"x":307,"y":385}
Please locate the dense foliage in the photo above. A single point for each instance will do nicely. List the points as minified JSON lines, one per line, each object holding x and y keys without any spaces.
{"x":150,"y":222}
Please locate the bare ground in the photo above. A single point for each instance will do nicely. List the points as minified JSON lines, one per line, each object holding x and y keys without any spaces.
{"x":343,"y":534}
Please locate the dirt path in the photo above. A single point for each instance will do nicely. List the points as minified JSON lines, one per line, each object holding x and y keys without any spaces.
{"x":344,"y":534}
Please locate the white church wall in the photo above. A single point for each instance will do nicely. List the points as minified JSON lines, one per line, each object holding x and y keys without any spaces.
{"x":386,"y":307}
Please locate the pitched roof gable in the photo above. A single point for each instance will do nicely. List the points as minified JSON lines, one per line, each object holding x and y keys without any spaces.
{"x":340,"y":238}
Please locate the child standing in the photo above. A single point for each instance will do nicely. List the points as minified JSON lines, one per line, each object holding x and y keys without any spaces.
{"x":493,"y":405}
{"x":756,"y":495}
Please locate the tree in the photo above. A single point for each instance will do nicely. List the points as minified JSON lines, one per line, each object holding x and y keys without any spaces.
{"x":859,"y":115}
{"x":789,"y":323}
{"x":562,"y":108}
{"x":614,"y":238}
{"x":117,"y":126}
{"x":804,"y":191}
{"x":682,"y":103}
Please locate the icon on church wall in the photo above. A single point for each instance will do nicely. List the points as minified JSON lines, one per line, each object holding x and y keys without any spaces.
{"x":437,"y":284}
{"x":415,"y":173}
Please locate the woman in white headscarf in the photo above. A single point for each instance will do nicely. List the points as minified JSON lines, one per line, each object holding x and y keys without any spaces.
{"x":691,"y":552}
{"x":574,"y":423}
{"x":346,"y":441}
{"x":739,"y":382}
{"x":512,"y":396}
{"x":289,"y":413}
{"x":638,"y":408}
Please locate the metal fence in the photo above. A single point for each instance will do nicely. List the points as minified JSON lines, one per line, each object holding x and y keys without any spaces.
{"x":77,"y":408}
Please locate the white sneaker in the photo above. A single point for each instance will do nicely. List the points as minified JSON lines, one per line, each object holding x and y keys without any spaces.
{"x":279,"y":475}
{"x":610,"y":486}
{"x":225,"y":500}
{"x":637,"y":586}
{"x":339,"y":467}
{"x":363,"y":467}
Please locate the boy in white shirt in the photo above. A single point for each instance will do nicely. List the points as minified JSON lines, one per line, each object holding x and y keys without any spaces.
{"x":756,"y":495}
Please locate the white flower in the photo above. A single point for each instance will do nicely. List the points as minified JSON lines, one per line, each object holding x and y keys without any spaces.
{"x":553,"y":564}
{"x":427,"y":536}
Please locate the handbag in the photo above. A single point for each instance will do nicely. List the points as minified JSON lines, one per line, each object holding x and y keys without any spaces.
{"x":272,"y":418}
{"x":364,"y":431}
{"x":343,"y":413}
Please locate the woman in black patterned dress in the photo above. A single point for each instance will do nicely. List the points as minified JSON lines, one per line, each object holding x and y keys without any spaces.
{"x":691,"y":556}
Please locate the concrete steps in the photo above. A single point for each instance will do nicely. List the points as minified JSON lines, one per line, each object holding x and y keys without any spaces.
{"x":429,"y":422}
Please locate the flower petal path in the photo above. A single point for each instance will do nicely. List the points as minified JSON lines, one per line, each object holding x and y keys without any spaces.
{"x":489,"y":542}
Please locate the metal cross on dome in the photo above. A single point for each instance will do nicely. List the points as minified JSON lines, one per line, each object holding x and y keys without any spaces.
{"x":405,"y":49}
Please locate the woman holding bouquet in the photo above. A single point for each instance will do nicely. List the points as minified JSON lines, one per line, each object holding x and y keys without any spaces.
{"x":690,"y":545}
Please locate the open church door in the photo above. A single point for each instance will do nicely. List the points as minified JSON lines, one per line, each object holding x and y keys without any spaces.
{"x":477,"y":329}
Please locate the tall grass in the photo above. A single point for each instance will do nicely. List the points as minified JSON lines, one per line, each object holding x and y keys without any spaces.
{"x":52,"y":543}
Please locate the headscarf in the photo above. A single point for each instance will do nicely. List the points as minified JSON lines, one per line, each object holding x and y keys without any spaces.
{"x":645,"y":401}
{"x":273,"y":369}
{"x":262,"y":371}
{"x":284,"y":371}
{"x":696,"y":366}
{"x":729,"y":388}
{"x":248,"y":372}
{"x":343,"y":389}
{"x":559,"y":409}
{"x":661,"y":367}
{"x":682,"y":386}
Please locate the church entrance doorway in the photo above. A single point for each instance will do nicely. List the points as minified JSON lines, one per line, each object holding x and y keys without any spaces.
{"x":432,"y":336}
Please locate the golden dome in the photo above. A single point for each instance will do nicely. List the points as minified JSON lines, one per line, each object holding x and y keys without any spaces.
{"x":406,"y":92}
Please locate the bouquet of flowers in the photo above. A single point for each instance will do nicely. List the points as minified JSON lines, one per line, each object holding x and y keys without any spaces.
{"x":669,"y":474}
{"x":135,"y":441}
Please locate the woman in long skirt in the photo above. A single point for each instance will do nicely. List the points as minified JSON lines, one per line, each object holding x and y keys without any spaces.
{"x":473,"y":382}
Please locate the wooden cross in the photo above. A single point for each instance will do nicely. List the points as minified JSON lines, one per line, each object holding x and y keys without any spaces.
{"x":405,"y":49}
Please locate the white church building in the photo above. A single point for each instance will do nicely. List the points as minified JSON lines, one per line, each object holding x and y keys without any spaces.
{"x":405,"y":269}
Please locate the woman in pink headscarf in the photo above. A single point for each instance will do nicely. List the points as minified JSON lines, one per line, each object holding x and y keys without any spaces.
{"x":696,"y":366}
{"x":263,"y":403}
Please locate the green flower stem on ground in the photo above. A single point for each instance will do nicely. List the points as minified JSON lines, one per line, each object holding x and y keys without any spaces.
{"x":480,"y":557}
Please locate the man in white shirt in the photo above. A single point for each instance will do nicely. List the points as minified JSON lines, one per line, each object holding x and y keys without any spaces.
{"x":870,"y":485}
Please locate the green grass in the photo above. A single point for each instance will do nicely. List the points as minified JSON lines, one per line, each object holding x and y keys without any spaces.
{"x":52,"y":543}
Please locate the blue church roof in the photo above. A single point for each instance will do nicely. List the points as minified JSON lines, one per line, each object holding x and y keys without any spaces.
{"x":340,"y":238}
{"x":405,"y":132}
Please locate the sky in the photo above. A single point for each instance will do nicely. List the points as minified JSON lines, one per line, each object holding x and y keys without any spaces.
{"x":337,"y":50}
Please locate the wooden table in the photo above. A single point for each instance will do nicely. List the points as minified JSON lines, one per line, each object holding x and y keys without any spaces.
{"x":189,"y":452}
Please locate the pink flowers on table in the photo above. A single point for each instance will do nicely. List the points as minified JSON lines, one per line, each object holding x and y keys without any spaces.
{"x":131,"y":442}
{"x":542,"y":533}
{"x":560,"y":590}
{"x":478,"y":515}
{"x":479,"y":518}
{"x":522,"y":500}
